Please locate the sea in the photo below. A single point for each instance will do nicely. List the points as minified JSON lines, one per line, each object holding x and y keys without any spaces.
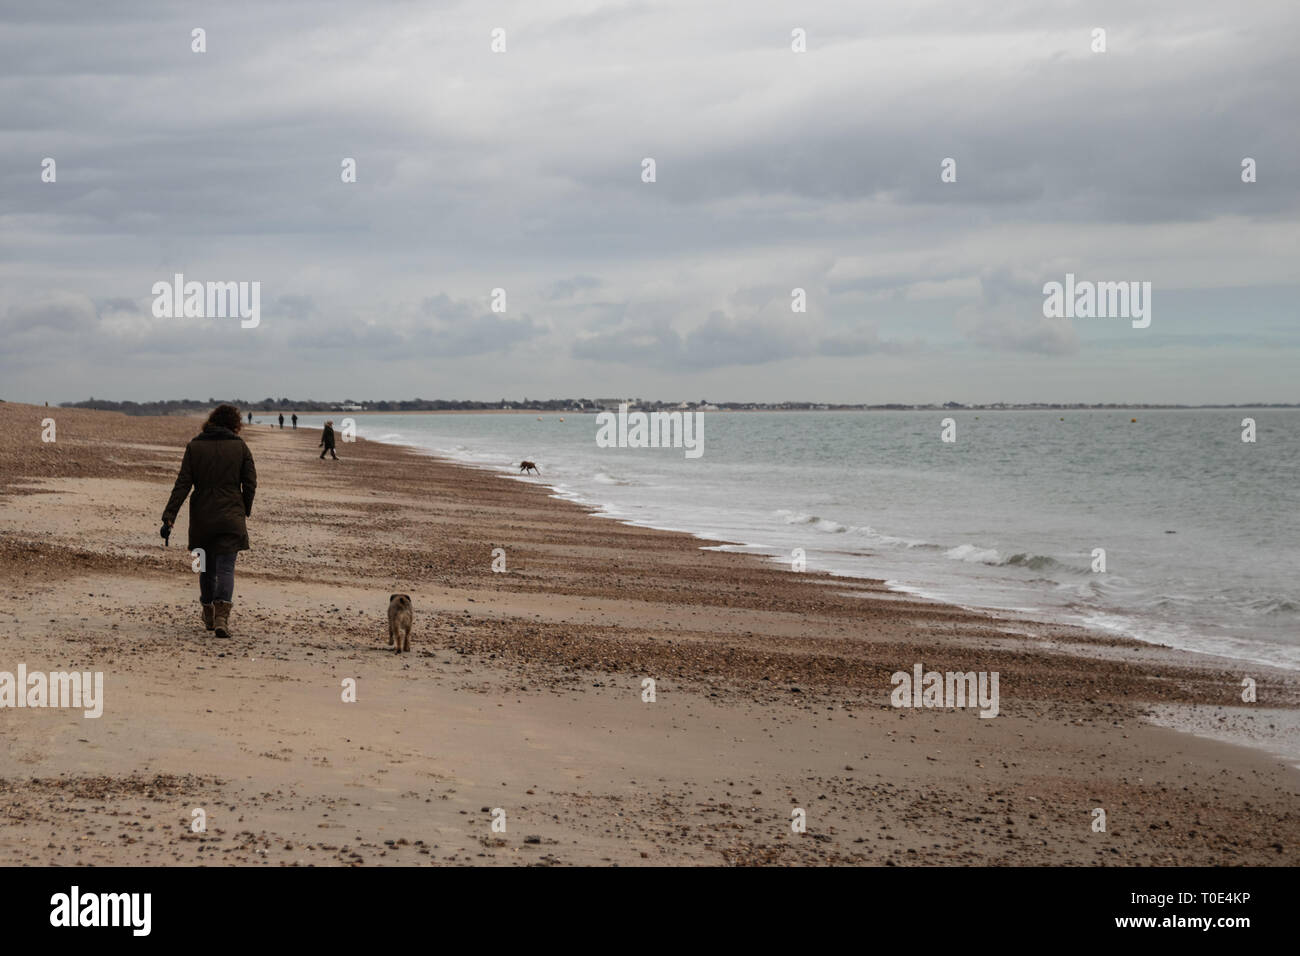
{"x":1160,"y":525}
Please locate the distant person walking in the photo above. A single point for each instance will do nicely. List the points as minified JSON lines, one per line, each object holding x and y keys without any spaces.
{"x":282,"y":419}
{"x":327,"y":440}
{"x":250,"y":418}
{"x":219,"y":467}
{"x":295,"y":421}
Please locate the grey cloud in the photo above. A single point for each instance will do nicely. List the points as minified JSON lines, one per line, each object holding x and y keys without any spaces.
{"x":862,"y":343}
{"x":568,"y":288}
{"x":819,"y":170}
{"x":486,"y":334}
{"x":52,"y":312}
{"x":1009,"y":317}
{"x":296,"y":306}
{"x":439,"y":326}
{"x":721,"y":341}
{"x":1041,"y":335}
{"x":443,"y":307}
{"x":118,"y":305}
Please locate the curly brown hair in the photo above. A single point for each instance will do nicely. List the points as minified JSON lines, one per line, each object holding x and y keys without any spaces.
{"x":227,"y":416}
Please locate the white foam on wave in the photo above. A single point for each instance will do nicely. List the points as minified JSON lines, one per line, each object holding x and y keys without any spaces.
{"x":829,"y":526}
{"x":894,"y":540}
{"x":818,"y":523}
{"x":604,"y":478}
{"x":1183,"y":638}
{"x":974,"y":554}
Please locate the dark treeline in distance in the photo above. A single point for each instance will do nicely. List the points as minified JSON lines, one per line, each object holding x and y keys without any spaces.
{"x":189,"y":406}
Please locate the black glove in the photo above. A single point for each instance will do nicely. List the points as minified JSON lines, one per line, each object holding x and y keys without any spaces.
{"x":165,"y":532}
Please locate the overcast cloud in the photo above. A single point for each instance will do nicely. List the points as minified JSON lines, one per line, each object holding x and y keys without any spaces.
{"x":775,"y":170}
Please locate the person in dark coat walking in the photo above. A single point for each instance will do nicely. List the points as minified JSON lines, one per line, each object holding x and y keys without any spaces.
{"x":219,"y":468}
{"x":282,"y":419}
{"x":295,"y":421}
{"x":327,"y":440}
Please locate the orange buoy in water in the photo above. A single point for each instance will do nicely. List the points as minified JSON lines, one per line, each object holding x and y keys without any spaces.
{"x":1132,"y":419}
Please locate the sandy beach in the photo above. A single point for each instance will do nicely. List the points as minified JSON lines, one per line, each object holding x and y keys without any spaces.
{"x":524,"y":689}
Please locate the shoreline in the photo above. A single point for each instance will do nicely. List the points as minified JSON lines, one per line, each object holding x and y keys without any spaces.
{"x":524,"y":688}
{"x":594,"y":411}
{"x":1040,"y":617}
{"x":1283,"y":745}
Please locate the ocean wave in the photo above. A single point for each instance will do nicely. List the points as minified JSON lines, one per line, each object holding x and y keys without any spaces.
{"x":825,"y":525}
{"x":603,"y":478}
{"x":974,"y":554}
{"x":1272,"y":606}
{"x":1043,"y":562}
{"x":889,"y":539}
{"x":829,"y":526}
{"x":1261,"y":605}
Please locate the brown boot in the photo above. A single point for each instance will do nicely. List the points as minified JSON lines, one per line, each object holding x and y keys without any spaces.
{"x":221,"y":615}
{"x":209,"y":617}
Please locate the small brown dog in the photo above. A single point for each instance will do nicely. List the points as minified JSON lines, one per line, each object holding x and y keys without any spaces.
{"x":524,"y":467}
{"x":399,"y":621}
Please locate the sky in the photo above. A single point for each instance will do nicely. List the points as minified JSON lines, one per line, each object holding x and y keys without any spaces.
{"x":523,"y":170}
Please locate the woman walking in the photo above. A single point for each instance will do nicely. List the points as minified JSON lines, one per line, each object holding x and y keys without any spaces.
{"x":327,"y":440}
{"x":219,"y":467}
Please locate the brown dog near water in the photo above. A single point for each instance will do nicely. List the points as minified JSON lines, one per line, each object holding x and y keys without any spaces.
{"x":525,"y":466}
{"x":399,"y":622}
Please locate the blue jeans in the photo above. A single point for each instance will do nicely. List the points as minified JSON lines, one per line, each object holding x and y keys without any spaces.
{"x":217,"y":583}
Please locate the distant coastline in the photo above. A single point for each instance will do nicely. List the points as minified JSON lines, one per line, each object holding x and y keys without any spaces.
{"x":580,"y":406}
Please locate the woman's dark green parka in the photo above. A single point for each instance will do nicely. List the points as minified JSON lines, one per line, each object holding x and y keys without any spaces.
{"x":219,"y":468}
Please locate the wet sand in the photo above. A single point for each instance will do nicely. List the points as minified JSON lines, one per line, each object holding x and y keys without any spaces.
{"x":523,"y":691}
